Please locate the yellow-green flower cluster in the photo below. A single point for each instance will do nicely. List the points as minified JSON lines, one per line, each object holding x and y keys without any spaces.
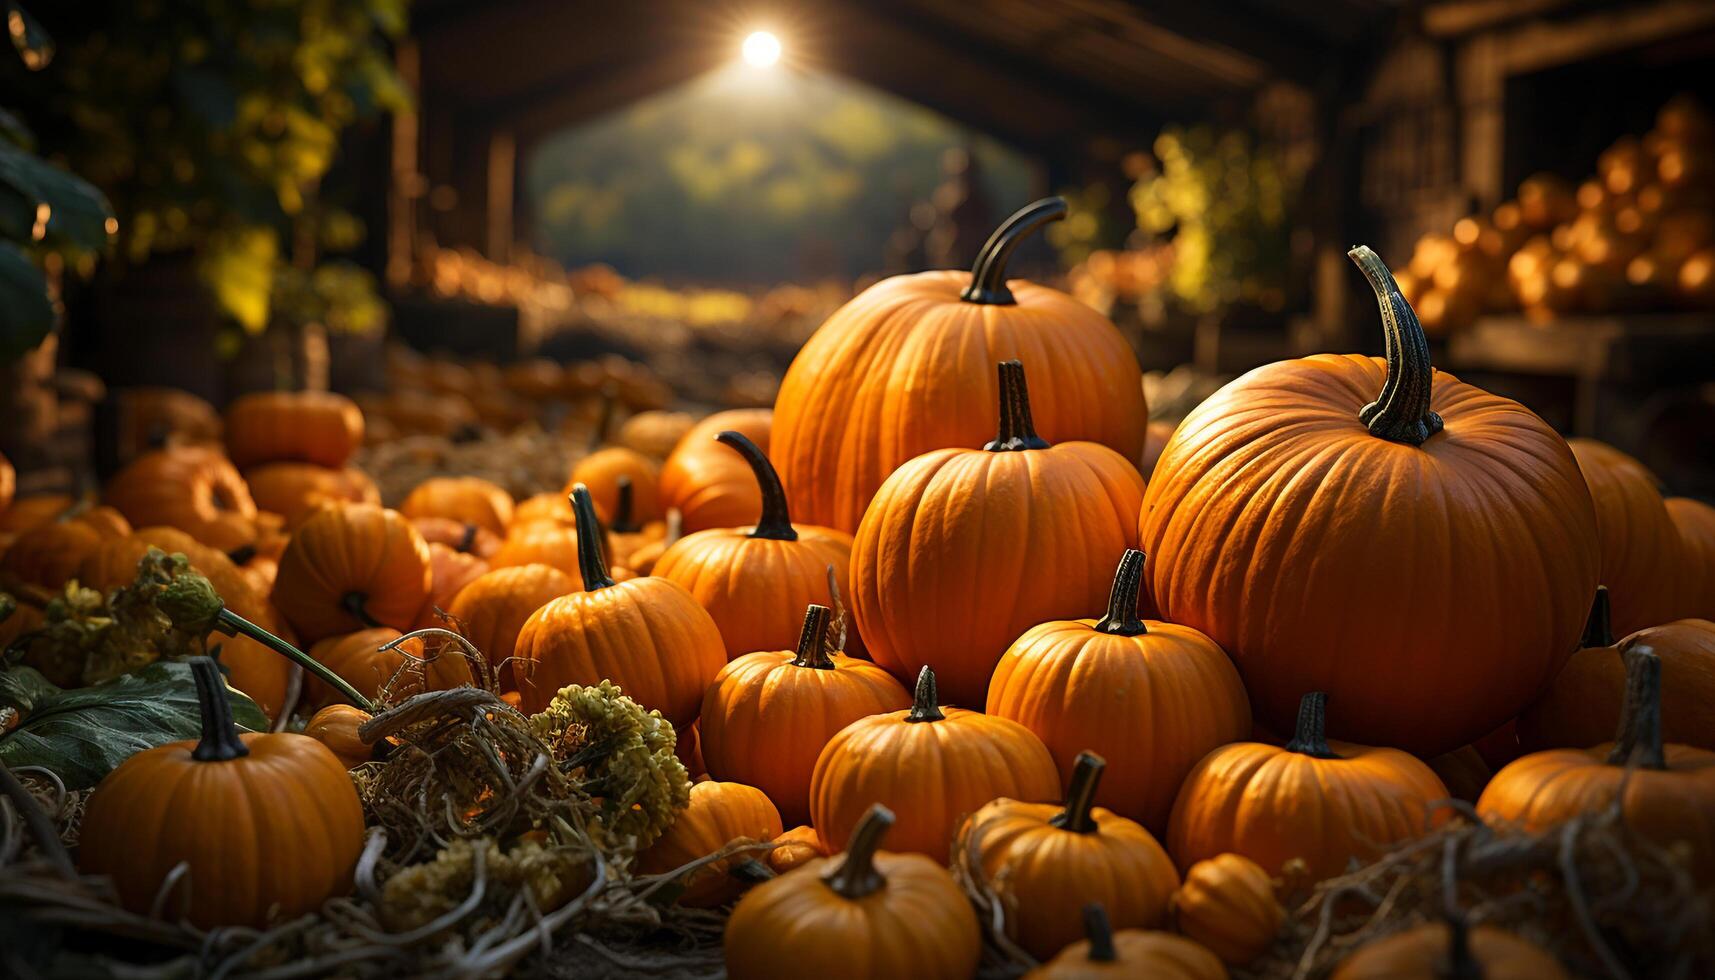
{"x":419,"y":894}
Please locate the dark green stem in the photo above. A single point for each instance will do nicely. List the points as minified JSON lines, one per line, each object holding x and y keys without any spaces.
{"x":356,"y":605}
{"x":813,"y":639}
{"x":1401,"y":413}
{"x":988,"y":273}
{"x":1122,"y":618}
{"x":776,"y":521}
{"x":1639,"y":737}
{"x":232,"y":624}
{"x":856,"y":875}
{"x":1311,"y":737}
{"x":1100,"y":933}
{"x":220,"y":741}
{"x":1017,"y":430}
{"x":467,"y":540}
{"x":624,"y":520}
{"x":1599,"y":628}
{"x":1081,"y":795}
{"x":591,"y":564}
{"x":925,"y":705}
{"x":1459,"y":963}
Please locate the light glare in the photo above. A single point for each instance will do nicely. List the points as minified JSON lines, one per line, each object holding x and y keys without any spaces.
{"x":761,"y":49}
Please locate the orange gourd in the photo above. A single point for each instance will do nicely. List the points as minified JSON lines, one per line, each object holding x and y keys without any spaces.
{"x":335,"y":726}
{"x":1695,"y":521}
{"x":188,"y":487}
{"x":1437,"y":951}
{"x":795,"y":848}
{"x":1640,"y":544}
{"x":360,"y":658}
{"x":449,"y":572}
{"x":468,"y":538}
{"x":306,"y":426}
{"x":1227,"y":906}
{"x":352,"y":566}
{"x":493,"y":608}
{"x":602,"y":470}
{"x":654,"y":433}
{"x":466,"y":499}
{"x":49,"y":554}
{"x":718,"y":815}
{"x":1128,"y":954}
{"x":705,"y":482}
{"x":543,"y":543}
{"x":293,"y":490}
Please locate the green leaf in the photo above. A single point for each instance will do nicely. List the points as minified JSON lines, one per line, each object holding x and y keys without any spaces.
{"x":83,"y":733}
{"x":77,"y":212}
{"x":26,"y":314}
{"x":33,"y":44}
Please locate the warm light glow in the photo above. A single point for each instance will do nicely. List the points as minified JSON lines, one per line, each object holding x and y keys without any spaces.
{"x":761,"y":50}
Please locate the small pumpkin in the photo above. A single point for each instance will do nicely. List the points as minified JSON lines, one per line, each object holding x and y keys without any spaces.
{"x":1131,"y":953}
{"x":795,"y":848}
{"x":719,"y":814}
{"x":654,"y":433}
{"x":1042,"y":859}
{"x":1440,"y":950}
{"x":1695,"y":521}
{"x":360,"y":658}
{"x":602,"y":469}
{"x":767,"y":716}
{"x":28,"y":512}
{"x":646,"y":635}
{"x":544,"y":543}
{"x":350,"y":567}
{"x":1463,"y":771}
{"x":1668,"y":789}
{"x":1640,"y":544}
{"x":306,"y":426}
{"x":937,"y":765}
{"x":624,"y":534}
{"x":554,"y":508}
{"x":1318,"y":800}
{"x":492,"y":609}
{"x":471,"y":539}
{"x":188,"y":487}
{"x":293,"y":490}
{"x":335,"y":726}
{"x":1151,"y":698}
{"x":466,"y":499}
{"x":222,"y":804}
{"x":863,"y":914}
{"x":48,"y":555}
{"x":952,"y":529}
{"x":642,"y":560}
{"x":705,"y":482}
{"x":449,"y":572}
{"x":1227,"y":906}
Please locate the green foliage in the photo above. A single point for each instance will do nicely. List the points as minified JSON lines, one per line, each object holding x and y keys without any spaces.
{"x":338,"y":295}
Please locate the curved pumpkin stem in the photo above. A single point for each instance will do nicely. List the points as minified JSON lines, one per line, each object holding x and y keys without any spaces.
{"x":813,"y":639}
{"x":624,"y":520}
{"x":1401,"y":413}
{"x":1639,"y":736}
{"x":988,"y":273}
{"x":1100,"y":933}
{"x":356,"y":605}
{"x":776,"y":521}
{"x":1599,"y":628}
{"x":1017,"y":430}
{"x":232,"y":624}
{"x":1086,"y":776}
{"x":591,"y":564}
{"x":220,"y":741}
{"x":925,"y":704}
{"x":856,"y":875}
{"x":1122,"y":618}
{"x":1311,"y":736}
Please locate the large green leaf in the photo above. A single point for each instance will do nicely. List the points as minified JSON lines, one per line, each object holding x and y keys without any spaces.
{"x":83,"y":733}
{"x":26,"y":315}
{"x":77,"y":212}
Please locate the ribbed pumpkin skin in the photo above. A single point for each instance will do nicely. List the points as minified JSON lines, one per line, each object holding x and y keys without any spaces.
{"x":230,"y":820}
{"x":466,"y":499}
{"x":765,"y":721}
{"x":964,"y":550}
{"x":1137,"y":954}
{"x":646,"y":635}
{"x":710,"y":484}
{"x":358,"y":659}
{"x":601,"y":470}
{"x":491,"y":610}
{"x":48,"y":555}
{"x":352,"y":548}
{"x":756,"y":588}
{"x":1695,"y":521}
{"x":1152,"y":705}
{"x":719,"y":814}
{"x":907,"y":367}
{"x":1420,"y":954}
{"x":1045,"y":875}
{"x":1582,"y":707}
{"x":541,"y":543}
{"x":293,"y":490}
{"x":933,"y":774}
{"x":468,"y":538}
{"x":308,"y":426}
{"x":1640,"y":544}
{"x":1227,"y":905}
{"x":193,"y":489}
{"x":335,"y":726}
{"x":449,"y":572}
{"x":1431,"y":591}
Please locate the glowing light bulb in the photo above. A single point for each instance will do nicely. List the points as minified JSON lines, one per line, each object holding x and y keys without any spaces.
{"x":761,"y":50}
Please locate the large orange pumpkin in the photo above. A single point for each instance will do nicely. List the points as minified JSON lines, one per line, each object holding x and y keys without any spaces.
{"x":756,"y":581}
{"x":963,"y":550}
{"x":307,"y":426}
{"x":768,"y":714}
{"x":1151,"y":698}
{"x":1695,"y":521}
{"x":466,"y":499}
{"x":646,"y":635}
{"x":719,"y":814}
{"x":351,"y":566}
{"x":188,"y":487}
{"x":293,"y":490}
{"x":1426,"y":558}
{"x":1640,"y":544}
{"x":903,"y":369}
{"x":491,"y":610}
{"x":705,"y":482}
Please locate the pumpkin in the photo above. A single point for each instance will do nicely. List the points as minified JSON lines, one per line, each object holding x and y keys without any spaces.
{"x":293,"y":490}
{"x":624,"y":534}
{"x":490,"y":611}
{"x":767,"y":715}
{"x":647,"y":635}
{"x":756,"y":581}
{"x":952,"y":530}
{"x":466,"y":499}
{"x":705,"y":482}
{"x":1318,"y":800}
{"x":863,"y":914}
{"x":1463,"y":771}
{"x":1131,"y":953}
{"x":471,"y":539}
{"x":937,"y":765}
{"x":688,"y":749}
{"x":545,"y":543}
{"x":335,"y":726}
{"x":306,"y":426}
{"x":554,"y":508}
{"x":226,"y":804}
{"x":1425,"y":558}
{"x":1041,"y":860}
{"x":901,"y":370}
{"x":1583,"y":705}
{"x":1227,"y":906}
{"x":360,"y":659}
{"x":654,"y":433}
{"x":602,"y":470}
{"x":8,"y":482}
{"x":1668,"y":790}
{"x":48,"y":555}
{"x":352,"y":566}
{"x":1695,"y":521}
{"x":719,"y":814}
{"x":795,"y":848}
{"x":449,"y":572}
{"x":642,"y":559}
{"x":1152,"y":698}
{"x":1437,"y":950}
{"x":28,"y":512}
{"x":188,"y":487}
{"x":1640,"y":544}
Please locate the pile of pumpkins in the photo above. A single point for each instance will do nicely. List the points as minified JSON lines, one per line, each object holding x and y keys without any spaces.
{"x":1637,"y":236}
{"x":925,"y":627}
